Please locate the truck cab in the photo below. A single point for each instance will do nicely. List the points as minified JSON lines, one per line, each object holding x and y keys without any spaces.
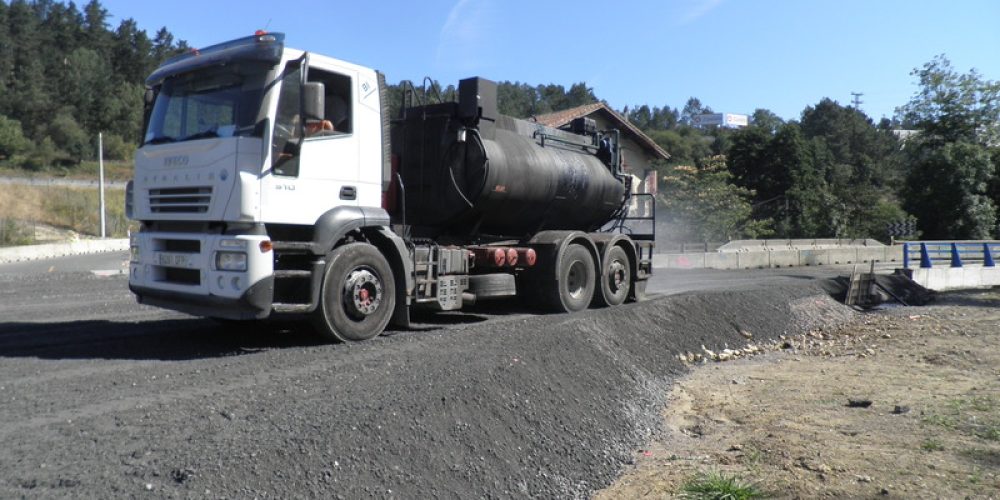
{"x":242,"y":139}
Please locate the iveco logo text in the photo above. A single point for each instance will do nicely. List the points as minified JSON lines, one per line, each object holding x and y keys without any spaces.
{"x":175,"y":161}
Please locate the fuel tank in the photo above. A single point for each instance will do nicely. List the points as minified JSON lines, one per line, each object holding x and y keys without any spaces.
{"x":468,"y":171}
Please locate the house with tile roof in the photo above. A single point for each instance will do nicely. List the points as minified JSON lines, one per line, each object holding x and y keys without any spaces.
{"x":638,"y":150}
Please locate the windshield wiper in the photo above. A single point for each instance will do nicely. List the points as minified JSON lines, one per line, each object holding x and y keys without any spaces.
{"x":162,"y":139}
{"x":202,"y":135}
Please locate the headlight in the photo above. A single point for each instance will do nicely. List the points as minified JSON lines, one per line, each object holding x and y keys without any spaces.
{"x":129,"y":200}
{"x":233,"y":243}
{"x":231,"y":261}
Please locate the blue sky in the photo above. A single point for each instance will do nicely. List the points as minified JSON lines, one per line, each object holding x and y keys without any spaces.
{"x":734,"y":55}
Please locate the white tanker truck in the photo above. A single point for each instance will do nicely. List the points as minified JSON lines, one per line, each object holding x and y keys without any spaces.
{"x":272,"y":181}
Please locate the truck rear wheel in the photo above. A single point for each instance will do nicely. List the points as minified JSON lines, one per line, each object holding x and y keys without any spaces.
{"x":574,"y":286}
{"x":615,"y":280}
{"x":358,"y":294}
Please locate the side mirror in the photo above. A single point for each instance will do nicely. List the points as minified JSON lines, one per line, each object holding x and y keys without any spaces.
{"x":314,"y":101}
{"x":149,"y":97}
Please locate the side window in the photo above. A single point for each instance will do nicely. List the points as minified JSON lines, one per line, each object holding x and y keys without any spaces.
{"x":284,"y":152}
{"x":337,"y":104}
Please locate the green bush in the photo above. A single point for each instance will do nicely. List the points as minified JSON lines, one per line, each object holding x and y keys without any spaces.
{"x":14,"y":233}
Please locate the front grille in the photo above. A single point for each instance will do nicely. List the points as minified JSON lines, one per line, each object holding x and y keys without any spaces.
{"x":185,"y":200}
{"x":181,"y":276}
{"x":187,"y":246}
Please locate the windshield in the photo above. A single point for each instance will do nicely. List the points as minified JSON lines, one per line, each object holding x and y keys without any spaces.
{"x":212,"y":102}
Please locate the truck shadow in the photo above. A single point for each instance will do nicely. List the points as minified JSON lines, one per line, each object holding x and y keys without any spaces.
{"x":167,"y":340}
{"x":195,"y":338}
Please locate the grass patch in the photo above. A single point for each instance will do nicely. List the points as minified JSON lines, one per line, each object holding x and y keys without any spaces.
{"x":719,"y":486}
{"x":977,"y":416}
{"x":931,"y":445}
{"x":752,"y":455}
{"x":15,"y":233}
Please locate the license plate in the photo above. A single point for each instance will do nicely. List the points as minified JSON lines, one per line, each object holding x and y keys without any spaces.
{"x":174,"y":259}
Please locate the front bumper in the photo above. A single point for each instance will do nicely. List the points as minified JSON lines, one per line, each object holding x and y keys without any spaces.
{"x":255,"y":303}
{"x":182,"y":271}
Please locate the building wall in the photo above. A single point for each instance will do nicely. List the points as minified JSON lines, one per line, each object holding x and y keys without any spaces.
{"x":636,"y":160}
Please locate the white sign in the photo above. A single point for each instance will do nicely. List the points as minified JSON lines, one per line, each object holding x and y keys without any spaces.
{"x":729,"y":120}
{"x":737,"y":120}
{"x":706,"y":120}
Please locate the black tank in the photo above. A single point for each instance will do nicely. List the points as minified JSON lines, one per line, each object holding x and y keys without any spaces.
{"x":496,"y":175}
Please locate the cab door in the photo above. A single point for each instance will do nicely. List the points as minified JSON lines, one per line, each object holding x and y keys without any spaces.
{"x":315,"y":159}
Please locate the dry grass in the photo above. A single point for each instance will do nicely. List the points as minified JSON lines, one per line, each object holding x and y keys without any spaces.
{"x":784,"y":422}
{"x":71,"y":208}
{"x":113,"y":171}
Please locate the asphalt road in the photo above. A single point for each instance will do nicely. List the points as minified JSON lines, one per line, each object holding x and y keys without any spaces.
{"x":102,"y":397}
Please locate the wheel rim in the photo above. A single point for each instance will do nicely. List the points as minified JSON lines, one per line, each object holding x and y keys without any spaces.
{"x":576,"y":279}
{"x":617,"y":277}
{"x":362,"y":293}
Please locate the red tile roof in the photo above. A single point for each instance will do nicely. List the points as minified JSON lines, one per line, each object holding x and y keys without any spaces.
{"x":560,"y":118}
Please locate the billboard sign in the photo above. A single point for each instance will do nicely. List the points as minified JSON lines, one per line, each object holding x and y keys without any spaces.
{"x":729,"y":120}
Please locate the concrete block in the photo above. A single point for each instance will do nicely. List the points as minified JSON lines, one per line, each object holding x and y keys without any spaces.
{"x":783,"y":258}
{"x":842,"y":255}
{"x":52,"y":250}
{"x":722,"y":260}
{"x":956,"y":278}
{"x":814,"y":257}
{"x":742,"y":246}
{"x":894,"y":253}
{"x":990,"y":276}
{"x":869,"y":254}
{"x":778,"y":244}
{"x":754,"y":260}
{"x":684,"y":260}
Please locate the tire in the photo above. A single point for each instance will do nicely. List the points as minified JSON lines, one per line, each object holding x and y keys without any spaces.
{"x":575,"y":279}
{"x":615,"y":280}
{"x":357,"y":296}
{"x":492,"y":286}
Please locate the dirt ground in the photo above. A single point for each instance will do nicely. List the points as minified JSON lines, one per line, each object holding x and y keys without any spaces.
{"x":784,"y":420}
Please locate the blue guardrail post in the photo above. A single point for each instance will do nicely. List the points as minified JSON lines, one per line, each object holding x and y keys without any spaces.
{"x":906,"y":255}
{"x":925,"y":258}
{"x":956,"y":259}
{"x":988,"y":256}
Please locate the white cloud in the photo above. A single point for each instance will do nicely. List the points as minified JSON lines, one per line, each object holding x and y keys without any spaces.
{"x":462,"y":43}
{"x":697,"y":9}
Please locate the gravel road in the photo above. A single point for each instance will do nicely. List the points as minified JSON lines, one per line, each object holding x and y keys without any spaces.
{"x":102,"y":397}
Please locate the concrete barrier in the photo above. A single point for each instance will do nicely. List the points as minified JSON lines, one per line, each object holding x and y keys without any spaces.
{"x":759,"y":254}
{"x":814,"y":257}
{"x":842,"y":255}
{"x":678,"y":260}
{"x":869,"y":254}
{"x":722,"y":260}
{"x":894,"y":253}
{"x":51,"y":250}
{"x":954,"y":278}
{"x":783,"y":258}
{"x":754,"y":260}
{"x":743,"y":246}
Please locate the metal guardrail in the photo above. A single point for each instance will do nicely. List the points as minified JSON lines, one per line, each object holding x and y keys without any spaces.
{"x":956,"y":253}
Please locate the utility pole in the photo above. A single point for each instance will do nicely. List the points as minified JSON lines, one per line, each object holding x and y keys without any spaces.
{"x":857,"y":99}
{"x":100,"y":167}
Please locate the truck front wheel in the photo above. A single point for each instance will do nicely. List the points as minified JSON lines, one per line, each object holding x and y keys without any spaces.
{"x":358,"y":294}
